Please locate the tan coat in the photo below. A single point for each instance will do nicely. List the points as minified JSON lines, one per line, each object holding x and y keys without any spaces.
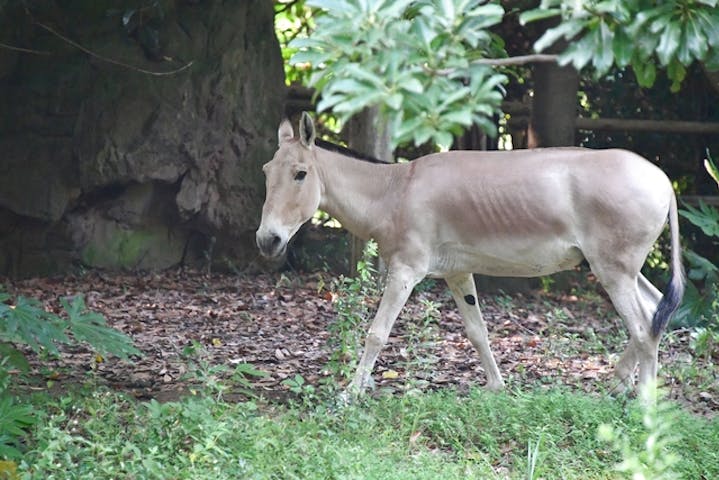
{"x":519,"y":213}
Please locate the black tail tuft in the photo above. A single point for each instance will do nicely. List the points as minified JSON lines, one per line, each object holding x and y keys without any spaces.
{"x":668,"y":304}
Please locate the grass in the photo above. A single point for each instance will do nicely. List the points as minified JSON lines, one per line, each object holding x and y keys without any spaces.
{"x":99,"y":434}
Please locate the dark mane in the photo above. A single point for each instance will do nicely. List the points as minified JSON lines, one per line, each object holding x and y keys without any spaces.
{"x":333,"y":147}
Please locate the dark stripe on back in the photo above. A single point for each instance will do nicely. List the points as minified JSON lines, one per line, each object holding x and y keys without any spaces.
{"x":333,"y":147}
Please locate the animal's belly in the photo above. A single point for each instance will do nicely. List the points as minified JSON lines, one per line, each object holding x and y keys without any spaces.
{"x":509,"y":258}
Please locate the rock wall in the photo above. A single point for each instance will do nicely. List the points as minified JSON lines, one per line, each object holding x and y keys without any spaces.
{"x":104,"y":165}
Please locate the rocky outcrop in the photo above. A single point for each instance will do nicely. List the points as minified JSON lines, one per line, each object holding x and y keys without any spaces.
{"x":103,"y":164}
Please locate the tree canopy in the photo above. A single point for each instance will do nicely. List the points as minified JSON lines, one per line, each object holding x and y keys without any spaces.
{"x":431,"y":65}
{"x":641,"y":33}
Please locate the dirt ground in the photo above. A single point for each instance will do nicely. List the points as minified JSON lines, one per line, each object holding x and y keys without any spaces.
{"x":278,"y":324}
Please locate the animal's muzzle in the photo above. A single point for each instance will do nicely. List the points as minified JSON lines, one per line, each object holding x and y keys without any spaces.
{"x":270,"y":243}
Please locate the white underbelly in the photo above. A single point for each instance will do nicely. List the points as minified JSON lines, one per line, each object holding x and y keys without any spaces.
{"x":507,"y":258}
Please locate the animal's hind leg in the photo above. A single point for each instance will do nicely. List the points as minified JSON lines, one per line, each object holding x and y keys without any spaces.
{"x":650,"y":297}
{"x":636,"y":309}
{"x":465,"y":295}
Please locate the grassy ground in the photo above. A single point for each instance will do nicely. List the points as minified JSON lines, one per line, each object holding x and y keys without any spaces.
{"x":542,"y":434}
{"x":426,"y":421}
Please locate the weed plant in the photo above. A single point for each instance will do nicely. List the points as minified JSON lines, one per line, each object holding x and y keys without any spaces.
{"x":353,"y":300}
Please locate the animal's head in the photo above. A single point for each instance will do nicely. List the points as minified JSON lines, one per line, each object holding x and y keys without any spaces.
{"x":293,"y":188}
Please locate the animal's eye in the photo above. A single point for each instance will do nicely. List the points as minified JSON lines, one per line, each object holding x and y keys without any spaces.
{"x":299,"y":176}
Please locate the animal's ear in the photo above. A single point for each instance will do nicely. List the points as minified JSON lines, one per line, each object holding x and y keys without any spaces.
{"x":285,"y":132}
{"x":307,"y":130}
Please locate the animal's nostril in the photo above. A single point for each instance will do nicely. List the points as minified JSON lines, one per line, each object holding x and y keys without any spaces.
{"x":276,"y":241}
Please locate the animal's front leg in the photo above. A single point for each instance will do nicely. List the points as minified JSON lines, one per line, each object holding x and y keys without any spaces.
{"x":400,"y":282}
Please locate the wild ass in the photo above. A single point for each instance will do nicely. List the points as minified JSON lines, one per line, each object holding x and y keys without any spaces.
{"x":521,"y":213}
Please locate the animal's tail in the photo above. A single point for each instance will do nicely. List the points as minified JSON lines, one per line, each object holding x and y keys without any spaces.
{"x":675,"y":290}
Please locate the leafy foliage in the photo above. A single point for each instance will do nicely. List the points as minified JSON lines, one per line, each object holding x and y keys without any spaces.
{"x":655,"y":459}
{"x":14,"y":420}
{"x":414,"y":59}
{"x":640,"y":33}
{"x":27,"y":322}
{"x":351,"y":302}
{"x":293,"y":19}
{"x":701,"y":305}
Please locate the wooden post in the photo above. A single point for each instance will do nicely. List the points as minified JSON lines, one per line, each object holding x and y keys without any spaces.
{"x":554,"y":106}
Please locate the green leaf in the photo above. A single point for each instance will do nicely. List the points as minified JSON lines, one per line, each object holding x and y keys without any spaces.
{"x":486,"y":15}
{"x":422,"y":30}
{"x":394,"y":8}
{"x":538,"y":14}
{"x":348,"y":85}
{"x":604,"y":56}
{"x":567,"y":29}
{"x":14,"y":421}
{"x":696,"y":41}
{"x":14,"y":357}
{"x":412,"y":85}
{"x":623,"y":48}
{"x":459,"y":94}
{"x":333,"y":7}
{"x":356,"y":103}
{"x":443,"y":139}
{"x":423,"y":134}
{"x":579,"y":53}
{"x":676,"y":72}
{"x":668,"y":42}
{"x":356,"y":70}
{"x":394,"y":101}
{"x":646,"y":72}
{"x":314,"y":58}
{"x":462,"y":117}
{"x":91,"y":327}
{"x":35,"y":327}
{"x":705,"y":217}
{"x":711,"y":168}
{"x":707,"y":22}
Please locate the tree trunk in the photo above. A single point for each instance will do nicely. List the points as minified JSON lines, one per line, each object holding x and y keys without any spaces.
{"x":105,"y":165}
{"x":368,"y":133}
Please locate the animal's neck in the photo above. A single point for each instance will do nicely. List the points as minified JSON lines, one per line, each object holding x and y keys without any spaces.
{"x":359,"y":194}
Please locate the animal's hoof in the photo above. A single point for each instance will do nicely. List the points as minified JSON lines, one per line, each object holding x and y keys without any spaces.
{"x":495,"y":386}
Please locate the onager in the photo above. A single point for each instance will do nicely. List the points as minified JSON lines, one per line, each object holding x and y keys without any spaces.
{"x":521,"y":213}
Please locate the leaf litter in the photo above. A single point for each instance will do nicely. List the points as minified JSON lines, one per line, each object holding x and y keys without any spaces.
{"x":277,"y":323}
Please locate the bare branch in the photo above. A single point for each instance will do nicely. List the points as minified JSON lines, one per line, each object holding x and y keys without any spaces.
{"x":503,"y":62}
{"x":518,"y":60}
{"x":110,"y":60}
{"x":23,"y":50}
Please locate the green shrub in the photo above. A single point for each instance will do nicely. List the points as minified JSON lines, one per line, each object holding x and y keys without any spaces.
{"x":701,"y":300}
{"x":26,"y":322}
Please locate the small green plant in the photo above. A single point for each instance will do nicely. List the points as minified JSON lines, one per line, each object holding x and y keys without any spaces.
{"x":15,"y":419}
{"x":353,"y":297}
{"x":242,"y":375}
{"x":304,"y":391}
{"x":654,"y":459}
{"x":420,"y":333}
{"x":216,"y":380}
{"x":705,"y":342}
{"x":533,"y":455}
